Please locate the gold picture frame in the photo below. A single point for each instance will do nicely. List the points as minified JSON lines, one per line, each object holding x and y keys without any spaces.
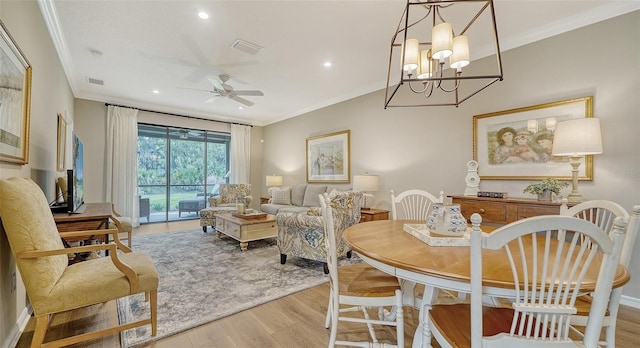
{"x":15,"y":101}
{"x":62,"y":143}
{"x":328,"y":158}
{"x":528,"y":155}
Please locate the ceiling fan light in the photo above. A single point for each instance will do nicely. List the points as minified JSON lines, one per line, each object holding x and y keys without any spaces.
{"x":460,"y":57}
{"x":442,"y":40}
{"x":426,"y":65}
{"x":411,"y":54}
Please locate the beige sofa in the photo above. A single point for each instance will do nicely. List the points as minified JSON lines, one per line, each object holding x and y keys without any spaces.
{"x":298,"y":198}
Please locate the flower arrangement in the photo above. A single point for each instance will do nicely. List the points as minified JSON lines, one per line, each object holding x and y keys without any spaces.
{"x":548,"y":184}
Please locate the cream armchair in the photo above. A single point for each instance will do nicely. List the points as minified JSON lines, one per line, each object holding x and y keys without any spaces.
{"x":54,"y":286}
{"x":302,"y":234}
{"x":230,"y":194}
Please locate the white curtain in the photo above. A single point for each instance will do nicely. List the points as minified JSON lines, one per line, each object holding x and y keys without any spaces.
{"x":122,"y":163}
{"x":239,"y":163}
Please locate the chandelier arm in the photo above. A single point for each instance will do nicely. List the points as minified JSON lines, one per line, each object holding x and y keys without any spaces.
{"x":429,"y":84}
{"x":418,"y":91}
{"x":454,"y":88}
{"x":449,"y":90}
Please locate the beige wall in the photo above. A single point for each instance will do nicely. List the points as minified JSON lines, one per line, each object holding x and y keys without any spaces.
{"x":428,"y":148}
{"x":50,"y":95}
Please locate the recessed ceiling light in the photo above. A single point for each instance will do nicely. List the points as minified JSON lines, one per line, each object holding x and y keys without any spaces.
{"x":155,"y":91}
{"x":240,"y":108}
{"x":327,"y":64}
{"x":203,"y":15}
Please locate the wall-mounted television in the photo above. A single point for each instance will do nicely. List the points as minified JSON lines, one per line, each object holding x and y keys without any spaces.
{"x":75,"y":178}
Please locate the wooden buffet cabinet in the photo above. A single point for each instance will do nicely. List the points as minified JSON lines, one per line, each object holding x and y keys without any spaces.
{"x":504,"y":210}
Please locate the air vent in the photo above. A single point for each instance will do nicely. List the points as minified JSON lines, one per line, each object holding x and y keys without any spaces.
{"x":95,"y":81}
{"x":246,"y":46}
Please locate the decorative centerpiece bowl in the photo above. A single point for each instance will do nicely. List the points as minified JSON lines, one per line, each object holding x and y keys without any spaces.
{"x":445,"y":219}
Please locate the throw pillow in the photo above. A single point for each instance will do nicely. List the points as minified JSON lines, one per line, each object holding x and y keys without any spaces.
{"x":281,"y":196}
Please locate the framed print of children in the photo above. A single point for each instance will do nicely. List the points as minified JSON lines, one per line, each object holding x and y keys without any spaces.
{"x":522,"y":148}
{"x":505,"y":152}
{"x":544,"y":145}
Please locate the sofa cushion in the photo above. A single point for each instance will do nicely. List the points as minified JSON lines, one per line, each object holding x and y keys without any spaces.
{"x":280,"y":196}
{"x":311,"y":195}
{"x":297,"y":194}
{"x":292,"y":209}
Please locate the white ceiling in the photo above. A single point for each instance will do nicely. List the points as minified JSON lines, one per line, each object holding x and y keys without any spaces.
{"x":138,"y":46}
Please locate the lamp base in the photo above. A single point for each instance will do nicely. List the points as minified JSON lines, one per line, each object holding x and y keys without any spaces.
{"x":367,"y":201}
{"x":575,"y":197}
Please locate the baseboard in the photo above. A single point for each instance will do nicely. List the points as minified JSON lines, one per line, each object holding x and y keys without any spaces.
{"x":18,"y":328}
{"x":630,"y":301}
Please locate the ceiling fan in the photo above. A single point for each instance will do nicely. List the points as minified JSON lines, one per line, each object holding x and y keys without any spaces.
{"x":222,"y":89}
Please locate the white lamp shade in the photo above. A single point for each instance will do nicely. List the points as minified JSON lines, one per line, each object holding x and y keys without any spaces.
{"x":365,"y":183}
{"x":442,"y":40}
{"x":577,"y":137}
{"x":274,"y":180}
{"x":460,"y":56}
{"x":411,"y":54}
{"x":426,"y":65}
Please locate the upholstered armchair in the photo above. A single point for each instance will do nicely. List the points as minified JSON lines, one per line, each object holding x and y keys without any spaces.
{"x":54,"y":286}
{"x":302,"y":234}
{"x":230,"y":194}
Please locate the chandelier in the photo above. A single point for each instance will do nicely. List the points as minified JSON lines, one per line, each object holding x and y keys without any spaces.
{"x":433,"y":57}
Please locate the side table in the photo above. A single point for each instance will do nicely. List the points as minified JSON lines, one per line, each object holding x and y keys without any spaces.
{"x":367,"y":215}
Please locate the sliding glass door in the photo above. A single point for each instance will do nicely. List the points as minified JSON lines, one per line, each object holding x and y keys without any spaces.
{"x":178,"y":170}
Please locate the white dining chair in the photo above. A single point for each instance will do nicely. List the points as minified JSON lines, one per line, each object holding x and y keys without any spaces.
{"x":602,"y":213}
{"x":358,"y":286}
{"x":547,"y":278}
{"x":413,"y":204}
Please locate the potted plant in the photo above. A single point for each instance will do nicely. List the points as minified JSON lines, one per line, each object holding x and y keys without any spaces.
{"x":544,"y":188}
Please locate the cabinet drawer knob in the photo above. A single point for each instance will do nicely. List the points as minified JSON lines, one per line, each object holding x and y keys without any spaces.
{"x":481,"y":211}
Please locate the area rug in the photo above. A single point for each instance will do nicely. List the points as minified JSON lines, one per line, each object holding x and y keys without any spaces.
{"x":204,"y":278}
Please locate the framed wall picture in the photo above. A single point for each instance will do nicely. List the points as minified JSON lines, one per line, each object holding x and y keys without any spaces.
{"x":328,"y":158}
{"x":15,"y":94}
{"x":516,"y":144}
{"x":62,"y":143}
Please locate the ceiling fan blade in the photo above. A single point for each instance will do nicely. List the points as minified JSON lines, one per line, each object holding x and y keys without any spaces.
{"x":216,"y":83}
{"x":242,"y":100}
{"x":249,"y":92}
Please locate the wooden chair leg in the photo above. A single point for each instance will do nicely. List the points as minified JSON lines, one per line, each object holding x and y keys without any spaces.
{"x":42,"y":322}
{"x":153,"y":304}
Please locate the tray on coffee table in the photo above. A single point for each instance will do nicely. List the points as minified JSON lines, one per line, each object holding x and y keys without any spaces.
{"x":250,"y":216}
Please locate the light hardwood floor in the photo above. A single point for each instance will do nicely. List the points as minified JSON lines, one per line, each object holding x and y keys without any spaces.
{"x":296,"y":320}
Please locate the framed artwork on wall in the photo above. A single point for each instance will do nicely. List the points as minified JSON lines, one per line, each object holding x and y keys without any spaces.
{"x":328,"y":158}
{"x":15,"y":94}
{"x":516,"y":144}
{"x":62,"y":143}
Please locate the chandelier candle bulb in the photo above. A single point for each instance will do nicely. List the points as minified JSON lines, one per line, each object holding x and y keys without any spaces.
{"x":460,"y":57}
{"x":442,"y":40}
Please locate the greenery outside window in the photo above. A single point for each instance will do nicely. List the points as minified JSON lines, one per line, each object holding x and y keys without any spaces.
{"x":179,"y":169}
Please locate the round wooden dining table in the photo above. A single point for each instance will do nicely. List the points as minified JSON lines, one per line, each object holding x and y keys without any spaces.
{"x":386,"y":246}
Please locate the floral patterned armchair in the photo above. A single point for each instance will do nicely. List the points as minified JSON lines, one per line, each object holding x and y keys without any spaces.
{"x":230,"y":193}
{"x":302,"y":234}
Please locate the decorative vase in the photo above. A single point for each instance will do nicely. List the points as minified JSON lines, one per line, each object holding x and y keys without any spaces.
{"x":446,"y":219}
{"x":544,"y":196}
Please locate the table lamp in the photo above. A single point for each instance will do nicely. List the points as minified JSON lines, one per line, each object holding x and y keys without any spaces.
{"x":273,"y":181}
{"x":366,"y":183}
{"x":577,"y":138}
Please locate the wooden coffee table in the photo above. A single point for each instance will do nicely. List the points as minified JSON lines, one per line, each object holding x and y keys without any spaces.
{"x":246,"y":230}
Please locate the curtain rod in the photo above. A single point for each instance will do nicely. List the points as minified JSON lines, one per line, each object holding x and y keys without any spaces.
{"x":171,"y":114}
